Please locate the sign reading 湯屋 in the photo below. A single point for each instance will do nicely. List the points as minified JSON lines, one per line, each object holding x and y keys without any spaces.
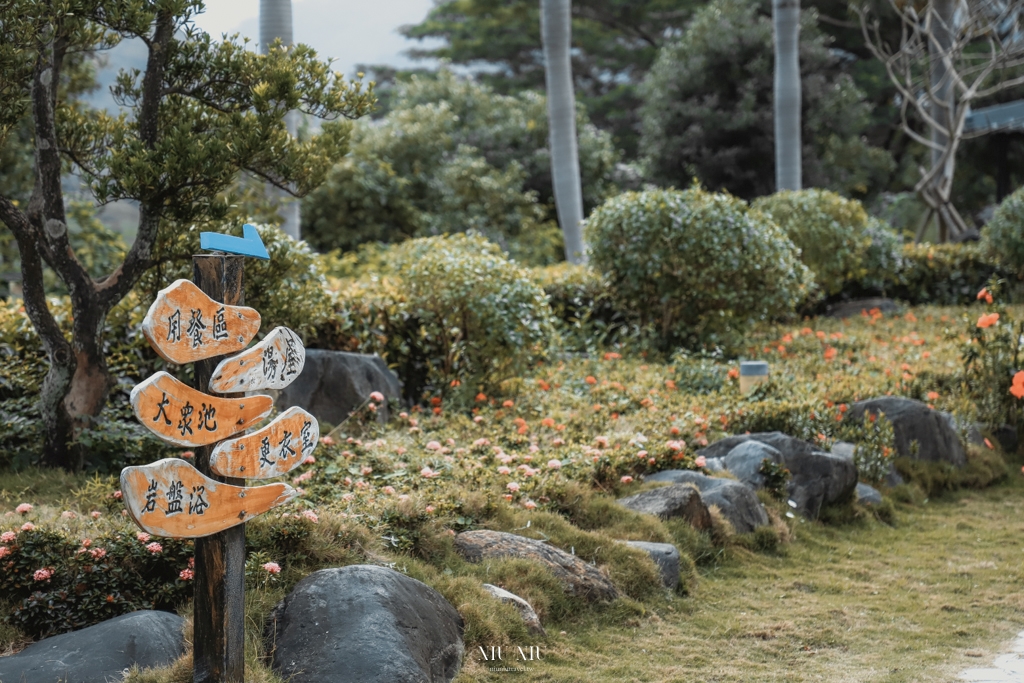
{"x":178,"y":413}
{"x":185,"y":325}
{"x":171,"y":498}
{"x":270,"y":452}
{"x":271,"y":364}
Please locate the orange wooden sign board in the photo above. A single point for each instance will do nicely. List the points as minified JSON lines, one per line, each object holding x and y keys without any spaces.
{"x":275,"y":450}
{"x":271,"y":364}
{"x":178,"y":413}
{"x":173,"y":499}
{"x":185,"y":325}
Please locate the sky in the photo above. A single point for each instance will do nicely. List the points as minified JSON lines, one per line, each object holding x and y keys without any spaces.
{"x":350,"y":31}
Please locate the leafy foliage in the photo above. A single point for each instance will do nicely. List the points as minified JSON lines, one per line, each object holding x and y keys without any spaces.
{"x":707,"y":108}
{"x":876,"y":445}
{"x":695,"y":264}
{"x":1004,"y":234}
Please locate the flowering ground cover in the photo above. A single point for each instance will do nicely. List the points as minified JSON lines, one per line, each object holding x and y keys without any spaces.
{"x":897,"y":592}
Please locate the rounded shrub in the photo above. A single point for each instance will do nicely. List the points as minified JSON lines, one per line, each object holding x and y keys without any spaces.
{"x":1004,"y":234}
{"x":694,"y":264}
{"x":829,"y":230}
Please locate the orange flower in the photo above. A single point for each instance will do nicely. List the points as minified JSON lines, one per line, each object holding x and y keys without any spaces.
{"x":435,"y":401}
{"x":481,"y":397}
{"x":830,"y":353}
{"x":1018,"y":385}
{"x":985,"y":294}
{"x":547,"y":422}
{"x":733,"y":373}
{"x":670,"y":384}
{"x":590,"y":379}
{"x":544,"y":386}
{"x":507,"y":404}
{"x":932,"y":395}
{"x":820,"y":334}
{"x":806,"y":330}
{"x":988,"y":320}
{"x":612,"y":356}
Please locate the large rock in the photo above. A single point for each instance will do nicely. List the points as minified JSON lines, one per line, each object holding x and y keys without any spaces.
{"x":914,"y":421}
{"x":365,"y":624}
{"x":737,"y":501}
{"x":817,"y":478}
{"x":524,"y":608}
{"x":577,"y":577}
{"x":99,"y":653}
{"x":334,"y":383}
{"x":666,"y":502}
{"x":666,"y":556}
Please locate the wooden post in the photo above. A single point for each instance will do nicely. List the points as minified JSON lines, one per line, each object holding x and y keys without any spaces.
{"x":219,"y":606}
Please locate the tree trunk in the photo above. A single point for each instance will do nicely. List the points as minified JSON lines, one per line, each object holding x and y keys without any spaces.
{"x":788,"y":145}
{"x":556,"y":33}
{"x":941,"y":20}
{"x":276,"y":22}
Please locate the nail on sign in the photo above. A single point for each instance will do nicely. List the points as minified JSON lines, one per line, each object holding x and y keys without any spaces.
{"x":178,"y":413}
{"x":185,"y":325}
{"x":271,"y":364}
{"x":275,"y":450}
{"x":170,"y":498}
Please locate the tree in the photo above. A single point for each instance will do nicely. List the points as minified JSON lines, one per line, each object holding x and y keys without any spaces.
{"x":786,"y":19}
{"x":556,"y":28}
{"x":707,"y":109}
{"x":198,"y":114}
{"x":614,"y":43}
{"x":950,"y":55}
{"x":276,"y":25}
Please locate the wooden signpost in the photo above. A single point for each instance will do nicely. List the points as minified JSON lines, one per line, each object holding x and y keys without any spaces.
{"x":200,"y":322}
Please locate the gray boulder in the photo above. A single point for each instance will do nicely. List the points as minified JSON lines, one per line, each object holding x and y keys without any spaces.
{"x":576,"y":576}
{"x":737,"y":501}
{"x":868,"y":495}
{"x":334,"y":383}
{"x":365,"y":624}
{"x":817,"y":478}
{"x":913,"y":421}
{"x":524,"y":608}
{"x":99,"y":653}
{"x":666,"y":502}
{"x":666,"y":556}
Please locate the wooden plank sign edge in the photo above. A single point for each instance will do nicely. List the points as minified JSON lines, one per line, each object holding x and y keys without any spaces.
{"x":274,"y":363}
{"x":188,"y":422}
{"x":269,"y":452}
{"x":165,"y":496}
{"x":208,"y":339}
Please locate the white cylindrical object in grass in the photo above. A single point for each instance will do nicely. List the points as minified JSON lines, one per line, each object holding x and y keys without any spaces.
{"x":752,"y":373}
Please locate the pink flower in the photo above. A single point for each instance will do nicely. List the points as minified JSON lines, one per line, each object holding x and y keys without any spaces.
{"x":428,"y":473}
{"x":186,"y":574}
{"x":366,"y":470}
{"x":117,"y":495}
{"x":512,"y":486}
{"x":8,"y":537}
{"x":155,"y":548}
{"x":327,"y":440}
{"x":24,"y":508}
{"x":559,"y":441}
{"x":429,"y":509}
{"x":142,"y":536}
{"x":86,"y":542}
{"x":28,"y":526}
{"x":676,"y":445}
{"x":389,"y":490}
{"x":68,"y":514}
{"x":626,"y":479}
{"x":555,"y":464}
{"x":272,"y":568}
{"x":43,"y":574}
{"x":504,"y":469}
{"x":311,"y":516}
{"x":98,"y":553}
{"x":701,"y":461}
{"x":95,"y":514}
{"x":433,"y":446}
{"x":642,"y":454}
{"x":478,"y":419}
{"x":529,"y":505}
{"x":601,"y":441}
{"x":310,"y":460}
{"x":479,"y":443}
{"x":4,"y":551}
{"x":305,"y":476}
{"x":376,"y":396}
{"x":188,"y":455}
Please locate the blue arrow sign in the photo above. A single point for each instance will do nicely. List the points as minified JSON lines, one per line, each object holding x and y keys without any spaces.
{"x":249,"y":244}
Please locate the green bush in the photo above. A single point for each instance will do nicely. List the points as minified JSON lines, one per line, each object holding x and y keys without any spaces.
{"x":696,"y":265}
{"x":453,"y":313}
{"x":830,"y":232}
{"x":1003,"y":236}
{"x":944,"y":274}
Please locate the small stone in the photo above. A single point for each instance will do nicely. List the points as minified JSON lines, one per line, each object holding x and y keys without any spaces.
{"x":666,"y":556}
{"x":679,"y":500}
{"x":868,"y":495}
{"x":524,"y":608}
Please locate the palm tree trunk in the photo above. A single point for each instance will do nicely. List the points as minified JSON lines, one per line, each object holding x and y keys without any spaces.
{"x":556,"y":32}
{"x":276,"y":22}
{"x":788,"y":169}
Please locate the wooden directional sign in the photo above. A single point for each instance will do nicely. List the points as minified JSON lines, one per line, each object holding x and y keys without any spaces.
{"x":271,"y":364}
{"x":178,"y":413}
{"x":249,"y":244}
{"x":270,"y":452}
{"x":185,"y":325}
{"x":170,"y":498}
